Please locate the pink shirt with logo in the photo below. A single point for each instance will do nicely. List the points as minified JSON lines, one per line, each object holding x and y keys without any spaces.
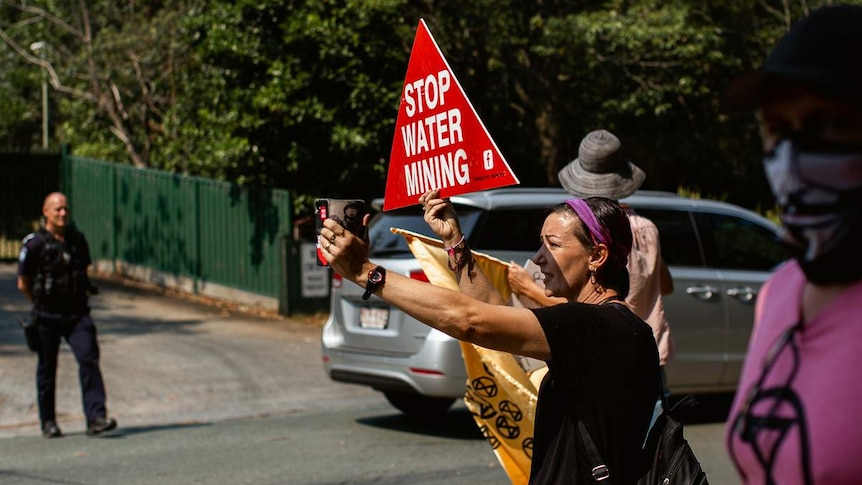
{"x":823,"y":438}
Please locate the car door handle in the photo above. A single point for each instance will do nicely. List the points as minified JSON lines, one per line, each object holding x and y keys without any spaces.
{"x":744,"y":294}
{"x":704,"y":293}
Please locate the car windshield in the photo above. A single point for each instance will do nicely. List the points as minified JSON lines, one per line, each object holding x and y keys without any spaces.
{"x":386,"y":244}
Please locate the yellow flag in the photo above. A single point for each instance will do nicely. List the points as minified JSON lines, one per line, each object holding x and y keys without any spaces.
{"x":499,"y":393}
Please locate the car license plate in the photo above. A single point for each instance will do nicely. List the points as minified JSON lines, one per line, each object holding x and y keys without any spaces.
{"x":374,"y":317}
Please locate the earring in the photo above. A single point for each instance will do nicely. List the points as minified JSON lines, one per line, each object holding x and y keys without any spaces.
{"x":599,"y":288}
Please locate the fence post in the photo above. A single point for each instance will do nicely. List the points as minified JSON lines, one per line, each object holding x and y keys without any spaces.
{"x":65,"y":171}
{"x":115,"y":216}
{"x":198,"y":264}
{"x":286,"y":253}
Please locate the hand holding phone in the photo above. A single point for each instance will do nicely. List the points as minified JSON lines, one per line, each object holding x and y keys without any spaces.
{"x":349,"y":213}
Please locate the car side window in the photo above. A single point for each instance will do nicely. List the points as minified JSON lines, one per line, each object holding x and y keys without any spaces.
{"x":385,"y":244}
{"x":679,"y":243}
{"x":510,"y":230}
{"x":732,"y":242}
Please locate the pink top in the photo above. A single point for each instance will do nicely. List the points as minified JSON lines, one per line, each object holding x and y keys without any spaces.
{"x":644,"y":297}
{"x":823,"y":443}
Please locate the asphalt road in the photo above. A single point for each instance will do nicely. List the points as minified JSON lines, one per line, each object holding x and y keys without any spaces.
{"x":206,"y":394}
{"x":363,"y":446}
{"x":167,"y":361}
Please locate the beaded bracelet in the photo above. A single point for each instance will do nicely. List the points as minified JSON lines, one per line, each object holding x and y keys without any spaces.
{"x":451,"y":250}
{"x":466,"y":259}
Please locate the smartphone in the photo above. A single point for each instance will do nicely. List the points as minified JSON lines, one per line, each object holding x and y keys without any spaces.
{"x":347,"y":212}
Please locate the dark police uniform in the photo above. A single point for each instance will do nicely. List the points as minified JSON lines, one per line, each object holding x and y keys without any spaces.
{"x":61,"y":287}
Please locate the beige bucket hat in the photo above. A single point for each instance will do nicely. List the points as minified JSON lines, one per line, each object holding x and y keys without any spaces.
{"x":600,"y":169}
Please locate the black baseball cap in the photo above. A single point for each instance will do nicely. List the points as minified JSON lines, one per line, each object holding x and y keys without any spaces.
{"x":823,"y":51}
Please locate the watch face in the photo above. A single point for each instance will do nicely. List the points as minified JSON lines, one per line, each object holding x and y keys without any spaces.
{"x":375,"y":277}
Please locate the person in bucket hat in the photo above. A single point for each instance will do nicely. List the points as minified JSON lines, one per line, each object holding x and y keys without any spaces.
{"x":795,"y":418}
{"x":602,"y":170}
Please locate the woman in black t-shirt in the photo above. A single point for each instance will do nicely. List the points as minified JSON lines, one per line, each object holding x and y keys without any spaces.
{"x":603,"y":362}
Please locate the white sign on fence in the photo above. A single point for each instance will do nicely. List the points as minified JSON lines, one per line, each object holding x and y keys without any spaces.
{"x":315,"y":279}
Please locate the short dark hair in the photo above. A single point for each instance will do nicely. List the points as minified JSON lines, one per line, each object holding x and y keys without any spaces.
{"x":613,"y":274}
{"x":353,"y":205}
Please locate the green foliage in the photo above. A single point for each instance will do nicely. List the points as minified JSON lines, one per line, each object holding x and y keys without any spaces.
{"x":303,"y":94}
{"x":20,"y":111}
{"x":111,"y":67}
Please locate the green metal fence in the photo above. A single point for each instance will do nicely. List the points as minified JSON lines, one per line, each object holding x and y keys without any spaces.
{"x":200,"y":230}
{"x":196,"y":234}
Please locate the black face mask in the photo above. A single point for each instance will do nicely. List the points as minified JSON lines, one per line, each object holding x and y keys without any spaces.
{"x":821,"y":209}
{"x":838,"y":265}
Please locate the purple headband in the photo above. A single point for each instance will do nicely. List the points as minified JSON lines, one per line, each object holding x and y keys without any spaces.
{"x":586,"y":214}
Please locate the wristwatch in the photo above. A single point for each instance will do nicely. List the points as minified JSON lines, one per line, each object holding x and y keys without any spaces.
{"x":376,"y":279}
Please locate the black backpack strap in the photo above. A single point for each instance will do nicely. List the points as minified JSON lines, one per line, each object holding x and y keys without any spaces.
{"x":599,"y":470}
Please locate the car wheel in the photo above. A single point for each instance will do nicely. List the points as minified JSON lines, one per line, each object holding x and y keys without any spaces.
{"x":416,"y":405}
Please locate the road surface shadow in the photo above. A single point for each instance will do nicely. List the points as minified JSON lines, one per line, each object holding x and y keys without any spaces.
{"x":457,"y":423}
{"x":129,"y":431}
{"x":32,"y":478}
{"x":11,"y":333}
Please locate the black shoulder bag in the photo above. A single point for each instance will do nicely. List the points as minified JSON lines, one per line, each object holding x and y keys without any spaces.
{"x":669,"y":456}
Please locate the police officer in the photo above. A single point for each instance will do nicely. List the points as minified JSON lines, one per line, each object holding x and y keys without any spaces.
{"x":52,"y":273}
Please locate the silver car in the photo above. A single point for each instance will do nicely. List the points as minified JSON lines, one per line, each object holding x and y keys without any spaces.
{"x":718,"y":254}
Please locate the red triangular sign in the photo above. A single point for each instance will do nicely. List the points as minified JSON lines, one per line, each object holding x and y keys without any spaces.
{"x":440,"y":142}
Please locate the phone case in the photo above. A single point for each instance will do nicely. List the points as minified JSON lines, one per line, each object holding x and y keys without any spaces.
{"x":347,"y":212}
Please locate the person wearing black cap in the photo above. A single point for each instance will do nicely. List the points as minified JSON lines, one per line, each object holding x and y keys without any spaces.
{"x":795,"y":416}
